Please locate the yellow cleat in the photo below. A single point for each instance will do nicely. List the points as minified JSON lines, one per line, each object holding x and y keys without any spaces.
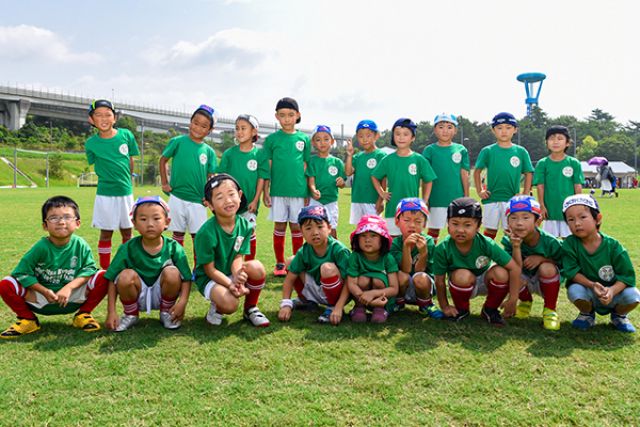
{"x":21,"y":327}
{"x":550,"y":319}
{"x":523,"y":310}
{"x":86,"y":322}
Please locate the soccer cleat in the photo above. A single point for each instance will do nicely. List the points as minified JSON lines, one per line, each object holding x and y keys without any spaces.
{"x":379,"y":315}
{"x":523,"y":310}
{"x":21,"y":327}
{"x":86,"y":322}
{"x":168,"y":322}
{"x":431,"y":310}
{"x":493,"y":316}
{"x":358,"y":314}
{"x":280,"y":270}
{"x":462,"y":314}
{"x":325,"y":317}
{"x":584,"y":321}
{"x":255,"y":316}
{"x":550,"y":319}
{"x":622,"y":323}
{"x":213,"y":317}
{"x":126,"y":321}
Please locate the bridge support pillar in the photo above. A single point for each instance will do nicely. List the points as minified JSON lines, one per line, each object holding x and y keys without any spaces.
{"x":13,"y":114}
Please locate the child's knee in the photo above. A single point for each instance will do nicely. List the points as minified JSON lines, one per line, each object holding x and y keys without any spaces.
{"x":547,"y":269}
{"x":329,"y":269}
{"x":422,"y":282}
{"x":127,"y":278}
{"x":225,"y":302}
{"x":378,"y":284}
{"x":462,"y":278}
{"x":255,"y":270}
{"x":364,"y":283}
{"x":403,"y":280}
{"x":170,"y":275}
{"x":498,"y":274}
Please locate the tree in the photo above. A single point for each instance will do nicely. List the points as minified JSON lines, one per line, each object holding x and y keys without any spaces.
{"x":587,"y":149}
{"x":127,"y":122}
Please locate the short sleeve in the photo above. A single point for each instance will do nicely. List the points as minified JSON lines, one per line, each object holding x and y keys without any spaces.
{"x":205,"y":244}
{"x":133,"y":145}
{"x":465,"y":159}
{"x":481,"y":161}
{"x":118,"y":263}
{"x":539,"y":172}
{"x":440,"y":263}
{"x":171,"y":148}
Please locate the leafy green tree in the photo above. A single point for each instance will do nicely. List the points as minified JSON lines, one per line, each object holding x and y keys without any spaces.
{"x":587,"y":149}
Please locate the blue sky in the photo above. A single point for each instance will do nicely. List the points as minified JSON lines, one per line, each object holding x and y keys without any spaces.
{"x":343,"y":60}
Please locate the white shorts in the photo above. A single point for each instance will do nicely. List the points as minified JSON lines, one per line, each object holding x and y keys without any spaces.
{"x":149,"y":298}
{"x":112,"y":212}
{"x":479,"y":287}
{"x":251,"y":217}
{"x":78,"y":296}
{"x":437,"y":218}
{"x":410,"y":294}
{"x":358,"y":210}
{"x":494,"y":214}
{"x":186,"y":215}
{"x":533,"y":283}
{"x":332,"y":211}
{"x":285,"y":209}
{"x":392,"y":227}
{"x":209,"y":287}
{"x":556,"y":228}
{"x":312,"y":291}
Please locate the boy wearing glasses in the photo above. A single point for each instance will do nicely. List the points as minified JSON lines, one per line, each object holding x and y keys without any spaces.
{"x":56,"y":276}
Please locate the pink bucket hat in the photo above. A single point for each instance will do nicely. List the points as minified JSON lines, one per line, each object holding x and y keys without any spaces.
{"x":374,"y":224}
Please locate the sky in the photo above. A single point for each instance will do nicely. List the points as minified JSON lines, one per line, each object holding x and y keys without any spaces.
{"x":342,"y":60}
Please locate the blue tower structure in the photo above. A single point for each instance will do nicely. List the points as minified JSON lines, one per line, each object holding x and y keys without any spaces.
{"x":530,"y":80}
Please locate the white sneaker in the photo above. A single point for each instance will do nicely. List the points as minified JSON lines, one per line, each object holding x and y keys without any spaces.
{"x":167,"y":322}
{"x":255,"y":316}
{"x":213,"y":317}
{"x":126,"y":321}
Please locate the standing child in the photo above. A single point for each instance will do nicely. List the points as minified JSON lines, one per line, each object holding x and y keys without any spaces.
{"x":245,"y":163}
{"x":450,"y":162}
{"x":561,"y":175}
{"x":539,"y":255}
{"x":364,"y":198}
{"x":111,"y":151}
{"x":599,"y":272}
{"x":505,"y":164}
{"x":221,"y":274}
{"x":466,"y":256}
{"x":413,"y":251}
{"x":56,"y":276}
{"x":317,"y":271}
{"x":372,"y":272}
{"x":288,"y":152}
{"x":193,"y":162}
{"x":325,"y":175}
{"x":406,"y":172}
{"x":150,"y":271}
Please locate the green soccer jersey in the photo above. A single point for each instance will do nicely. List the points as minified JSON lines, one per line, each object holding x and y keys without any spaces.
{"x":307,"y":261}
{"x":132,"y":255}
{"x":325,"y":171}
{"x":448,"y":257}
{"x":548,"y":246}
{"x":609,"y":264}
{"x":111,"y":159}
{"x":289,"y":154}
{"x":504,"y":168}
{"x":213,"y":244}
{"x":558,"y":179}
{"x":191,"y":164}
{"x":362,"y":190}
{"x":246,"y":167}
{"x":380,"y":269}
{"x":403,"y":177}
{"x":54,"y":266}
{"x":396,"y":251}
{"x":447,"y":162}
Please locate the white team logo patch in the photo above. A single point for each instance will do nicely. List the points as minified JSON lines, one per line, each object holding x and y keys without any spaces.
{"x":372,"y":163}
{"x":413,"y":169}
{"x":74,"y":262}
{"x":515,"y":161}
{"x":606,"y":273}
{"x":300,"y":145}
{"x":456,"y":157}
{"x":238,"y":244}
{"x":203,"y":159}
{"x":252,"y":165}
{"x":124,"y":149}
{"x":333,"y":171}
{"x":567,"y":171}
{"x":482,"y":261}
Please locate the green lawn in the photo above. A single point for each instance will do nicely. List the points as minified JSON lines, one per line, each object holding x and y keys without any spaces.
{"x":407,"y":372}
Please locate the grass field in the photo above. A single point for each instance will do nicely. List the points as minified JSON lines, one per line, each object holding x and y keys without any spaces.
{"x":407,"y":372}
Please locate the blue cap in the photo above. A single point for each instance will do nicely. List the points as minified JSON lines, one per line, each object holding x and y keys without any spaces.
{"x":323,"y":128}
{"x":412,"y":204}
{"x":316,"y":212}
{"x":101,"y":103}
{"x":367,"y":124}
{"x":156,"y":200}
{"x":444,"y":117}
{"x":523,"y":203}
{"x":504,"y":119}
{"x":206,"y":111}
{"x":403,"y":122}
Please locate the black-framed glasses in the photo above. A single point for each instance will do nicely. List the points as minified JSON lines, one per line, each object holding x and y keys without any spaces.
{"x":58,"y":219}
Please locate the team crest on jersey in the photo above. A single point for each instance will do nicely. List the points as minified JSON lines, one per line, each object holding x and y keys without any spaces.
{"x":123,"y":149}
{"x":333,"y":171}
{"x":203,"y":159}
{"x":456,"y":157}
{"x":515,"y":161}
{"x":567,"y":171}
{"x":372,"y":163}
{"x":606,"y":273}
{"x":413,"y":169}
{"x":252,"y":165}
{"x":300,"y":145}
{"x":482,"y":261}
{"x":238,"y":244}
{"x":74,"y":262}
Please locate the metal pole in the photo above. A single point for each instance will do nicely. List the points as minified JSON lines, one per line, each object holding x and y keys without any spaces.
{"x":142,"y":155}
{"x":47,"y":178}
{"x":15,"y":166}
{"x":575,"y":142}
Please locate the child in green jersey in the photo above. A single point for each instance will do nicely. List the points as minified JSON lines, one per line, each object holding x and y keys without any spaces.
{"x":468,"y":258}
{"x":600,"y":275}
{"x":505,"y":164}
{"x":562,"y":175}
{"x":317,"y":271}
{"x":538,"y":253}
{"x":150,"y":271}
{"x":56,"y":276}
{"x":405,"y":170}
{"x":450,"y":162}
{"x":221,"y":274}
{"x":372,"y":275}
{"x":111,"y":151}
{"x":364,"y":198}
{"x":325,"y":175}
{"x":193,"y":162}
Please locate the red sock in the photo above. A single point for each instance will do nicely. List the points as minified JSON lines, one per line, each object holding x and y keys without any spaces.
{"x":125,"y":239}
{"x":255,"y":287}
{"x":423,"y":302}
{"x":550,"y":287}
{"x":296,"y":241}
{"x":13,"y":294}
{"x":252,"y":245}
{"x":460,"y":296}
{"x":298,"y":285}
{"x":490,"y":233}
{"x":332,"y":288}
{"x":496,"y":292}
{"x":434,"y":232}
{"x":400,"y":301}
{"x":166,"y":304}
{"x":104,"y":253}
{"x":98,"y":287}
{"x":178,"y":238}
{"x":130,"y":307}
{"x":525,"y":295}
{"x":278,"y":245}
